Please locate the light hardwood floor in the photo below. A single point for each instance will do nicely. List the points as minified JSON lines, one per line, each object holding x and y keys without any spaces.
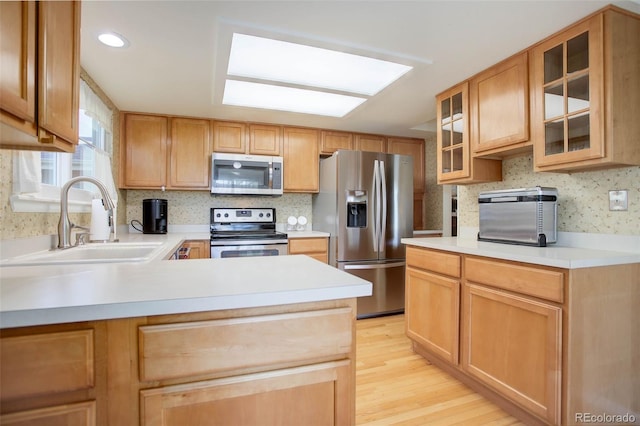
{"x":395,"y":386}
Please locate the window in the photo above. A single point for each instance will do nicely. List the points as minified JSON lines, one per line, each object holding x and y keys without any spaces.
{"x":57,"y":168}
{"x":39,"y":176}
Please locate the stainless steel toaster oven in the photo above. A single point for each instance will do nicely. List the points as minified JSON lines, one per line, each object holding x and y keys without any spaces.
{"x":519,"y":216}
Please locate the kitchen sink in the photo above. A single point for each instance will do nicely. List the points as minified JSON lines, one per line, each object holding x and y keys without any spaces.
{"x":90,"y":253}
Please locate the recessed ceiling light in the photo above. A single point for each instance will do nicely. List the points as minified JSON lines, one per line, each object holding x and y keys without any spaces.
{"x":267,"y":96}
{"x":285,"y":62}
{"x":113,"y":40}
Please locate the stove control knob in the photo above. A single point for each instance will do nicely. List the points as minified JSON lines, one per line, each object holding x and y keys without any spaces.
{"x":226,"y":215}
{"x":268,"y":214}
{"x":261,"y":214}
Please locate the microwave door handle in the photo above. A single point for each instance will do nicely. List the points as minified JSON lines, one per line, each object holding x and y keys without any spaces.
{"x":383,"y":216}
{"x":376,"y":205}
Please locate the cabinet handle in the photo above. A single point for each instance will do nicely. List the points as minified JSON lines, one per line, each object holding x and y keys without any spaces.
{"x":47,"y":138}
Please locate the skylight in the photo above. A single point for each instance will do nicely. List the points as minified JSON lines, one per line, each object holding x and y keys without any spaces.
{"x":319,"y":71}
{"x":258,"y":95}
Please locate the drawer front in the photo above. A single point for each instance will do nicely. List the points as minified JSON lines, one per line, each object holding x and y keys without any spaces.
{"x":80,"y":414}
{"x":243,"y":344}
{"x":538,"y":282}
{"x":308,"y":395}
{"x":307,"y":245}
{"x":46,"y":363}
{"x":435,"y":261}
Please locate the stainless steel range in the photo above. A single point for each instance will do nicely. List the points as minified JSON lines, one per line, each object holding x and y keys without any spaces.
{"x":245,"y":233}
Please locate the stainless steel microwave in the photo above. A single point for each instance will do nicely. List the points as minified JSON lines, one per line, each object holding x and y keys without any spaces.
{"x":241,"y":174}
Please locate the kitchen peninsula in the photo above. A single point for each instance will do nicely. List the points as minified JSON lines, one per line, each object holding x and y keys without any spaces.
{"x":548,"y":333}
{"x":188,"y":340}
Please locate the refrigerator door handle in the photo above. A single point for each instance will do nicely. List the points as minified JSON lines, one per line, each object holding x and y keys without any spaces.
{"x":374,"y":266}
{"x":383,"y":216}
{"x":376,"y":207}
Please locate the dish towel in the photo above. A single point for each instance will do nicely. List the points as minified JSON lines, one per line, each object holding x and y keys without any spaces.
{"x":27,"y":172}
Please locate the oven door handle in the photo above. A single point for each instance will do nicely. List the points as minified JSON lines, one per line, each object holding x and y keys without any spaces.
{"x":218,"y":243}
{"x":374,"y":265}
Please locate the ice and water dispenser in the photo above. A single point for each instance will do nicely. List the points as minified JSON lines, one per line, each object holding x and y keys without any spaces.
{"x":356,"y":209}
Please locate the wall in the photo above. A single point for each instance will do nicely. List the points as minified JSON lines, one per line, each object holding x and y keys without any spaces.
{"x":15,"y":225}
{"x":583,"y":201}
{"x":433,"y":191}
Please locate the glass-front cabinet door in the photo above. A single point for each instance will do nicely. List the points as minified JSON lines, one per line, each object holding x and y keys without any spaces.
{"x":453,"y":133}
{"x":567,"y":80}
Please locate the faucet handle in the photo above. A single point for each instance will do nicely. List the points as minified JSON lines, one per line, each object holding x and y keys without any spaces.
{"x":82,"y":238}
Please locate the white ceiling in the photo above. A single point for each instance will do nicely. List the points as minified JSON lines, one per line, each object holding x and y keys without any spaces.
{"x":176,"y":60}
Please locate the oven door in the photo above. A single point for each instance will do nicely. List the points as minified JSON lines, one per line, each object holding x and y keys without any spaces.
{"x":248,"y":250}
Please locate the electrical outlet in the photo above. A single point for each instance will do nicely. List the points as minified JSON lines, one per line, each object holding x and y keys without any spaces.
{"x":618,"y":200}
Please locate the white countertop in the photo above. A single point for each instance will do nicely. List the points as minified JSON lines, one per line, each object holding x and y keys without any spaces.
{"x":38,"y":295}
{"x":552,"y":255}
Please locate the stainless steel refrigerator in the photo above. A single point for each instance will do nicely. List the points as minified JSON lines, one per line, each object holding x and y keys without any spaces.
{"x":366,"y":204}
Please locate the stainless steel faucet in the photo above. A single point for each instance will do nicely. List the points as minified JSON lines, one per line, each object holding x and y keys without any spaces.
{"x":64,"y":224}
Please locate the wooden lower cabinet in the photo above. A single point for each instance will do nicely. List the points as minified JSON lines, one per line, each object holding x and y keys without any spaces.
{"x":305,"y":395}
{"x":52,"y":375}
{"x":318,"y":248}
{"x":195,"y":249}
{"x":275,"y":365}
{"x":547,"y":344}
{"x":292,"y":364}
{"x":513,"y":344}
{"x":433,"y":311}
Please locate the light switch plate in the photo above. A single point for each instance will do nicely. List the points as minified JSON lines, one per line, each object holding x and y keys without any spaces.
{"x":618,"y":200}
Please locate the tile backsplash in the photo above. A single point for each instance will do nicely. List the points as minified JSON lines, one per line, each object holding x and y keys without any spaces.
{"x":192,"y":207}
{"x":583,"y":198}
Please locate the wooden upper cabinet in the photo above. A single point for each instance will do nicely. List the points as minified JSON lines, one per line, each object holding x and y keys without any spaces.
{"x":414,"y":148}
{"x":242,"y":138}
{"x":418,"y":211}
{"x":499,"y":107}
{"x":332,"y":141}
{"x":301,"y":160}
{"x":586,"y":92}
{"x":190,"y":153}
{"x":229,"y":137}
{"x":49,"y":38}
{"x":160,"y":152}
{"x":18,"y":39}
{"x":144,"y":151}
{"x":455,"y":163}
{"x":59,"y":70}
{"x":453,"y":133}
{"x":371,"y":143}
{"x":265,"y":139}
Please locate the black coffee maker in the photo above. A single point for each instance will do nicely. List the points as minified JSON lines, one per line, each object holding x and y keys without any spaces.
{"x":154,"y":216}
